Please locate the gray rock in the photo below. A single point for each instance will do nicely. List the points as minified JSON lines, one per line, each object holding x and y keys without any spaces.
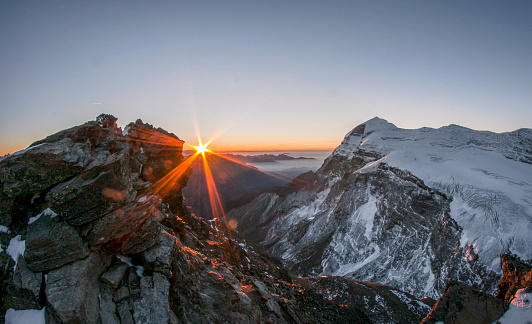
{"x":114,"y":275}
{"x":153,"y":307}
{"x":24,"y":278}
{"x":121,"y":223}
{"x":160,"y":255}
{"x":143,"y":238}
{"x":81,"y":201}
{"x":107,"y":307}
{"x":125,"y":314}
{"x":29,"y":173}
{"x":23,"y":290}
{"x":51,"y":243}
{"x":271,"y":304}
{"x":121,"y":294}
{"x":72,"y":290}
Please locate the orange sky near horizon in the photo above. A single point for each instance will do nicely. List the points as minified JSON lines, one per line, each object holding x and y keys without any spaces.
{"x":218,"y":146}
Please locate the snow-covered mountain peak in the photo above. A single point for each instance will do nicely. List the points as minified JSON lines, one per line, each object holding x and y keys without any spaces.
{"x":376,"y":124}
{"x":489,"y":176}
{"x":382,"y":137}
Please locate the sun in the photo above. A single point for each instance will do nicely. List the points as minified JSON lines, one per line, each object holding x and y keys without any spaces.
{"x":201,"y":149}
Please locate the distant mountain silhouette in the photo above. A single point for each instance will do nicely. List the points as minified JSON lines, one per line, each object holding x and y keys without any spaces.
{"x":236,"y":184}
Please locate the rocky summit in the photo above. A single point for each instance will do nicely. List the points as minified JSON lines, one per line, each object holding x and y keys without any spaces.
{"x":94,"y":229}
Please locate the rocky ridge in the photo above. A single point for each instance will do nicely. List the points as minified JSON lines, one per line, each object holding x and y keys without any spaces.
{"x":93,"y":229}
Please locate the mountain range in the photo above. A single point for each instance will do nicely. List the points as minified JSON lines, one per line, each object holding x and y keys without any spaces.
{"x":94,"y":228}
{"x":408,"y":208}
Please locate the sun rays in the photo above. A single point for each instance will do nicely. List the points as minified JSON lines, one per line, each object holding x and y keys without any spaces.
{"x":173,"y":180}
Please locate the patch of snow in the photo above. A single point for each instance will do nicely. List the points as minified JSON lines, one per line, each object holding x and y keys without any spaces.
{"x":366,"y":214}
{"x":423,"y":305}
{"x":125,"y":132}
{"x":125,"y":259}
{"x":4,"y":229}
{"x":25,"y":316}
{"x":25,"y":150}
{"x":141,"y":149}
{"x":371,"y":166}
{"x":350,"y":268}
{"x":140,"y":271}
{"x":142,"y":199}
{"x":244,"y":247}
{"x":16,"y":247}
{"x":46,"y":212}
{"x":520,"y":310}
{"x":402,"y":296}
{"x":430,"y":281}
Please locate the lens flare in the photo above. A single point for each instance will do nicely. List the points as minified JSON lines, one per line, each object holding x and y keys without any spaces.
{"x":202,"y":149}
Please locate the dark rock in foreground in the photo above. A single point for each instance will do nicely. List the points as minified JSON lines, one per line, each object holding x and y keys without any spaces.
{"x":461,"y":303}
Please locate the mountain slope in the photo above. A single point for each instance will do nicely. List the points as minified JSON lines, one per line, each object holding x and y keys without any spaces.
{"x":236,"y":184}
{"x":407,"y":208}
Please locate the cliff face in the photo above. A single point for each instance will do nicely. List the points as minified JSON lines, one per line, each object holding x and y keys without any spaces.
{"x":94,"y":230}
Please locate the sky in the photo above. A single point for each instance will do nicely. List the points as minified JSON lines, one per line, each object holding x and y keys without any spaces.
{"x":263,"y":75}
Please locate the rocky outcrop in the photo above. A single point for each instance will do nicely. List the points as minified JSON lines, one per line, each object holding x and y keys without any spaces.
{"x":74,"y":199}
{"x":516,"y":275}
{"x":461,"y":303}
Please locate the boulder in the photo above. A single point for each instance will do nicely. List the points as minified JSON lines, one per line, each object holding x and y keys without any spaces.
{"x":159,"y":257}
{"x":107,"y":307}
{"x":72,"y":290}
{"x":143,"y":238}
{"x":461,"y":303}
{"x":114,"y":275}
{"x":26,"y":176}
{"x":122,"y":223}
{"x":24,"y":289}
{"x":51,"y":243}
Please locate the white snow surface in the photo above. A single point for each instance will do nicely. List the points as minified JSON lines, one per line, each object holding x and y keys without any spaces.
{"x":16,"y":247}
{"x":46,"y":212}
{"x":25,"y":316}
{"x":520,"y":311}
{"x":26,"y":149}
{"x":4,"y":229}
{"x":491,"y":189}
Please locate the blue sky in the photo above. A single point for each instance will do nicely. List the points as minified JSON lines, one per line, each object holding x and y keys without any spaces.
{"x":269,"y":74}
